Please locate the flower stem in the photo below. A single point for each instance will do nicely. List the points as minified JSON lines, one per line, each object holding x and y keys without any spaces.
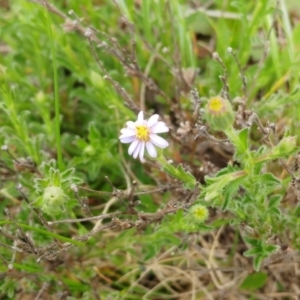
{"x":233,"y":137}
{"x":56,"y":96}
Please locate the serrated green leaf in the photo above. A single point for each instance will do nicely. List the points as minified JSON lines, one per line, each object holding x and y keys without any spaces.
{"x":217,"y":184}
{"x":186,"y":176}
{"x":67,"y":173}
{"x":179,"y":173}
{"x":55,"y":177}
{"x":266,"y":183}
{"x":270,"y":180}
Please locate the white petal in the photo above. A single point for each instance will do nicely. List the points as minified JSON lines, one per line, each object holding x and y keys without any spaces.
{"x":137,"y":150}
{"x":130,"y":124}
{"x":127,"y":139}
{"x":159,"y":127}
{"x":153,"y":120}
{"x":126,"y":136}
{"x":127,"y":130}
{"x":127,"y":133}
{"x":132,"y":147}
{"x":151,"y":149}
{"x":140,"y":116}
{"x":142,"y":151}
{"x":158,"y":141}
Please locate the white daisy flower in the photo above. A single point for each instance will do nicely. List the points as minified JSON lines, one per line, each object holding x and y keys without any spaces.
{"x":143,"y":134}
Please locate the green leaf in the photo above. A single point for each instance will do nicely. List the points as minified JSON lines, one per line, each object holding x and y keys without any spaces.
{"x":179,"y":173}
{"x":94,"y":133}
{"x":150,"y":251}
{"x":257,"y":262}
{"x":268,"y":179}
{"x":219,"y":222}
{"x":254,"y":281}
{"x":97,"y":80}
{"x":252,"y":252}
{"x":55,"y":177}
{"x":204,"y":227}
{"x":80,"y":143}
{"x":67,"y":173}
{"x":239,"y":139}
{"x":244,"y":141}
{"x":252,"y":242}
{"x":229,"y":192}
{"x":217,"y":184}
{"x":74,"y":284}
{"x":189,"y":180}
{"x":266,"y":183}
{"x":28,"y":268}
{"x":275,"y":201}
{"x":286,"y":147}
{"x":269,"y":249}
{"x":228,"y":170}
{"x":275,"y":211}
{"x":93,"y":170}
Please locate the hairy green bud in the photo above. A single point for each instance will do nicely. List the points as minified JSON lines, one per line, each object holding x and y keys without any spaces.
{"x":89,"y":150}
{"x":198,"y":213}
{"x":219,"y":114}
{"x":53,"y":199}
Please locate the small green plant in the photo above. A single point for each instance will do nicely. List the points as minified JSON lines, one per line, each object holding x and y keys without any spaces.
{"x":53,"y":190}
{"x":208,"y":209}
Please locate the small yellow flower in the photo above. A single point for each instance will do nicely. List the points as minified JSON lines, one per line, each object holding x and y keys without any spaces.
{"x":219,"y":114}
{"x":199,"y":213}
{"x":216,"y":105}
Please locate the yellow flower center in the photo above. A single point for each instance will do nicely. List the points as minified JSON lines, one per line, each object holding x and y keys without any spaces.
{"x":216,"y":105}
{"x":200,"y":213}
{"x":142,"y":133}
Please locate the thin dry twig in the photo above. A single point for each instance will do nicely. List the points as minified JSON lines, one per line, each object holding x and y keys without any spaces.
{"x":42,"y":290}
{"x":224,"y":78}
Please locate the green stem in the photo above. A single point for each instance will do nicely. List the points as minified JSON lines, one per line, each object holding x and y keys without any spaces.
{"x":262,"y":158}
{"x":234,"y":138}
{"x":56,"y":96}
{"x":241,"y":149}
{"x":231,"y":134}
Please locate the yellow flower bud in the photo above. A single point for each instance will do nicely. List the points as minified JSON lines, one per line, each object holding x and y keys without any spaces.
{"x":219,"y":114}
{"x":198,"y":213}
